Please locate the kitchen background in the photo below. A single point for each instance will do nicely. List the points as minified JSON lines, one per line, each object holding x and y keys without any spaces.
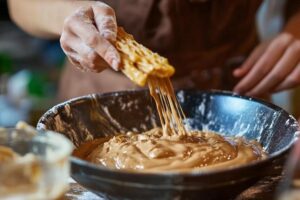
{"x":29,"y":73}
{"x":30,"y":69}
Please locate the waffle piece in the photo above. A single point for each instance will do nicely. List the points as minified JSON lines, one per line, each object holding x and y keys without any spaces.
{"x":138,"y":62}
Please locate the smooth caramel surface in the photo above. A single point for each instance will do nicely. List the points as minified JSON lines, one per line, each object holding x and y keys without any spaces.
{"x":152,"y":151}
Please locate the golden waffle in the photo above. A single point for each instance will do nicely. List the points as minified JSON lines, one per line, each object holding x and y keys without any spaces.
{"x":138,"y":62}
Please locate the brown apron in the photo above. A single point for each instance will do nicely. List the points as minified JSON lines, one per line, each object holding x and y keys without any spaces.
{"x":204,"y":40}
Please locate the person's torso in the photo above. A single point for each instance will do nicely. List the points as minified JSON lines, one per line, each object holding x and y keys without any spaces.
{"x":203,"y":40}
{"x":198,"y":37}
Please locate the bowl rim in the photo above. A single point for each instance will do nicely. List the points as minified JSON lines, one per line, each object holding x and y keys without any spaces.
{"x":52,"y":112}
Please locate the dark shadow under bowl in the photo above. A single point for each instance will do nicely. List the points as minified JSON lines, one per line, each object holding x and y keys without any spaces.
{"x":95,"y":116}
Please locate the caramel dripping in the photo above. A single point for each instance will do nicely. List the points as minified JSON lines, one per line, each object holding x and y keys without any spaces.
{"x":169,"y":110}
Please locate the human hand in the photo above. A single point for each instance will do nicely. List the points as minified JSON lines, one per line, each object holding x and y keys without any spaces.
{"x":87,"y":38}
{"x":273,"y":66}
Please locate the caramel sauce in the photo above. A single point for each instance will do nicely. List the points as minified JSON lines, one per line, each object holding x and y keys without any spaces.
{"x":153,"y":151}
{"x":169,"y":110}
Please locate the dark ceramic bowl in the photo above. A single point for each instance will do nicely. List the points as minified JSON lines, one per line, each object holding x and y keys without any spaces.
{"x":95,"y":116}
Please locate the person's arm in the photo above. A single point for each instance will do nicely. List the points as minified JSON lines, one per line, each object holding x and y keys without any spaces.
{"x":43,"y":18}
{"x":86,"y":29}
{"x":274,"y":65}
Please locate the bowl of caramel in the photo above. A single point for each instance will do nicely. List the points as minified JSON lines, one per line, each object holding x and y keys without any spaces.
{"x":215,"y":145}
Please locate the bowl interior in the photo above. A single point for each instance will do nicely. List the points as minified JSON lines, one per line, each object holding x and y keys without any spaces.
{"x":95,"y":116}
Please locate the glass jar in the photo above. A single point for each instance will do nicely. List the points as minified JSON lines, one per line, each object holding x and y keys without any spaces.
{"x":33,"y":165}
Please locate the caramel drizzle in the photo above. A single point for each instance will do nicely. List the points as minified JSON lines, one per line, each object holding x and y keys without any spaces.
{"x":141,"y":65}
{"x":169,"y":110}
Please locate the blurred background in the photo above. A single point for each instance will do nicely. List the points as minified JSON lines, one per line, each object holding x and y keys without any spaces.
{"x":30,"y":70}
{"x":29,"y":73}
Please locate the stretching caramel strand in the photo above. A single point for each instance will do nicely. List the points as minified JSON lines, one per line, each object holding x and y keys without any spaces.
{"x":169,"y":110}
{"x":143,"y":66}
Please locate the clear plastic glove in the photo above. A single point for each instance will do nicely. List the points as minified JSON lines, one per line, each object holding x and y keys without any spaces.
{"x":272,"y":67}
{"x":87,"y":38}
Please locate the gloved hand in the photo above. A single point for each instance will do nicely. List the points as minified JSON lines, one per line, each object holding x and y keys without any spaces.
{"x":87,"y":38}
